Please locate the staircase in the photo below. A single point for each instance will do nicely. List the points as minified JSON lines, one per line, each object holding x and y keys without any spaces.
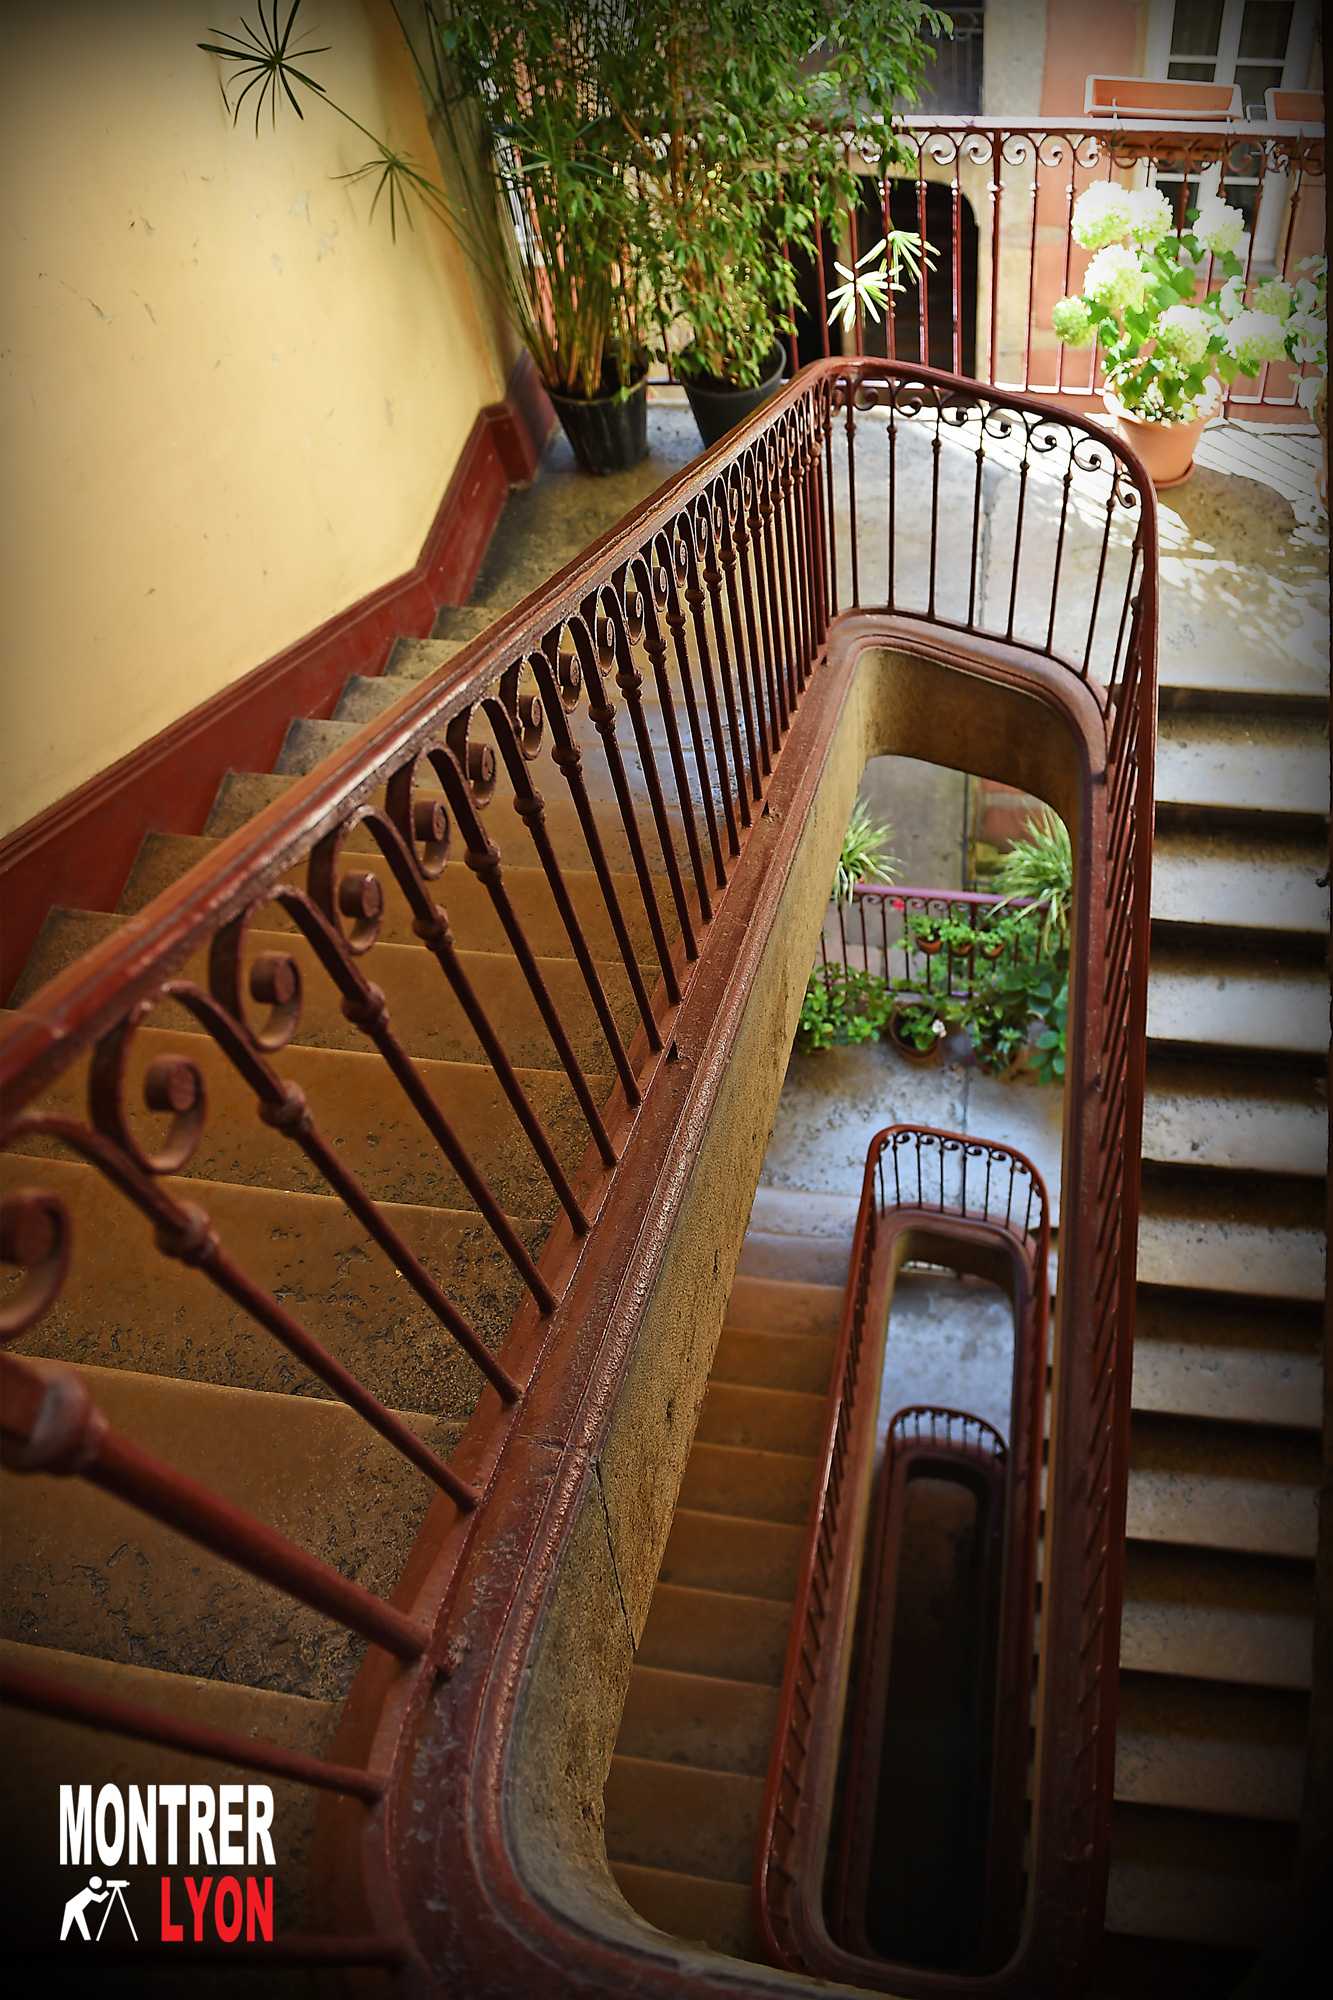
{"x":96,"y":1594}
{"x":1218,"y":1621}
{"x":687,"y":1780}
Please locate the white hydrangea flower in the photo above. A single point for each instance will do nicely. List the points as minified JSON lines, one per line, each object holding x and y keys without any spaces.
{"x":1113,"y":279}
{"x":1183,"y":332}
{"x":1231,"y":298}
{"x":1101,"y":215}
{"x":1219,"y":228}
{"x":1275,"y":296}
{"x":1150,"y":215}
{"x":1073,"y":323}
{"x":1307,"y":336}
{"x":1256,"y":337}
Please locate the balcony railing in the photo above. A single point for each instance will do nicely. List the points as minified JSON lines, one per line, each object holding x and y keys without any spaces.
{"x":995,"y":199}
{"x":685,"y":672}
{"x":879,"y":933}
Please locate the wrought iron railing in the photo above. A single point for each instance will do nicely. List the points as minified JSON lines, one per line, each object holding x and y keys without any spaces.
{"x":676,"y":671}
{"x":881,"y":932}
{"x":995,"y":200}
{"x":945,"y":1199}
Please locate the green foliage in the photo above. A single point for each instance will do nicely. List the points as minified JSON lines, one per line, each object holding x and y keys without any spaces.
{"x":616,"y":167}
{"x":870,"y":288}
{"x":1042,"y":866}
{"x":865,"y":855}
{"x":920,"y":1024}
{"x":842,"y":1006}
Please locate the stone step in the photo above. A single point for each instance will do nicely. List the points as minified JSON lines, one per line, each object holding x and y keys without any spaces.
{"x":798,"y":1363}
{"x":754,"y":1485}
{"x":1256,"y":763}
{"x":86,"y":1573}
{"x":309,"y":741}
{"x":414,"y":659}
{"x":1236,"y":1000}
{"x":1227,"y":1233}
{"x":766,"y":1305}
{"x":1240,"y":882}
{"x":42,"y":1752}
{"x":164,"y":857}
{"x":243,"y":794}
{"x":1219,"y":1617}
{"x":714,"y":1633}
{"x":761,"y":1419}
{"x":1197,"y":1877}
{"x":691,"y":1822}
{"x":126,"y":1306}
{"x":424,"y":1013}
{"x":788,"y":1259}
{"x":712,"y":1724}
{"x":717,"y":1914}
{"x":708,"y":1551}
{"x":464,"y":621}
{"x":1220,"y":1115}
{"x":1227,"y":1359}
{"x":359,"y":1110}
{"x":1223,"y":1487}
{"x":1203,"y":1748}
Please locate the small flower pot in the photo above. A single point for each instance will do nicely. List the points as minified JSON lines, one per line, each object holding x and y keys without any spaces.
{"x":607,"y":434}
{"x":1167,"y":450}
{"x":929,"y":945}
{"x":718,"y":407}
{"x":908,"y":1050}
{"x":991,"y":951}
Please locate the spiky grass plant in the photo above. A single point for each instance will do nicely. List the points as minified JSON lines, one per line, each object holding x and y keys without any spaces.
{"x":1042,"y":866}
{"x":865,"y":856}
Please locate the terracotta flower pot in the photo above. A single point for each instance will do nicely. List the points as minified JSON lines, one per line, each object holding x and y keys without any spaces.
{"x":908,"y":1050}
{"x":1167,"y":450}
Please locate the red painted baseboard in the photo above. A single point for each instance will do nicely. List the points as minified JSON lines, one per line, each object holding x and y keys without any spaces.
{"x":79,"y":852}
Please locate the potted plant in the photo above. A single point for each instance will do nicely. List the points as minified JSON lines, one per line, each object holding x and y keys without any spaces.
{"x":916,"y":1029}
{"x":1167,"y":353}
{"x":742,"y":159}
{"x":532,"y":97}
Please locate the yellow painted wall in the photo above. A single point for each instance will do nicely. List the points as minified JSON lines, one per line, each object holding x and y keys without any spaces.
{"x":231,"y":404}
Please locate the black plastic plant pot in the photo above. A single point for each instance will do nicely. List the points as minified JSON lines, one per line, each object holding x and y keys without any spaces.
{"x":606,"y":433}
{"x":718,"y":408}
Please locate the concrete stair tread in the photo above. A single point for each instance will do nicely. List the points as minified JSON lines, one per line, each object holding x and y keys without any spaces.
{"x":1197,"y":1877}
{"x":1229,"y":1234}
{"x":158,"y":1316}
{"x":1201,"y":1747}
{"x":1260,"y":763}
{"x":761,"y":1419}
{"x":786,"y":1258}
{"x":1239,"y":881}
{"x":382,"y":1142}
{"x":164,"y":857}
{"x":708,"y":1723}
{"x":1236,"y":1000}
{"x":1242,"y":1385}
{"x":89,"y":1574}
{"x":465,"y":621}
{"x":243,"y":794}
{"x":1223,"y":1487}
{"x":414,"y":659}
{"x":1211,"y":1616}
{"x":424,"y":1013}
{"x":733,"y":1555}
{"x":771,"y":1305}
{"x":799,"y":1363}
{"x":672,"y":1816}
{"x":804,"y":1212}
{"x":712,"y":1632}
{"x":717,"y":1914}
{"x":1217,"y":1115}
{"x":754,"y":1485}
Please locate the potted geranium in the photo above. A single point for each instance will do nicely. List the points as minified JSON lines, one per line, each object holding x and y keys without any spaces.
{"x":1166,"y":354}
